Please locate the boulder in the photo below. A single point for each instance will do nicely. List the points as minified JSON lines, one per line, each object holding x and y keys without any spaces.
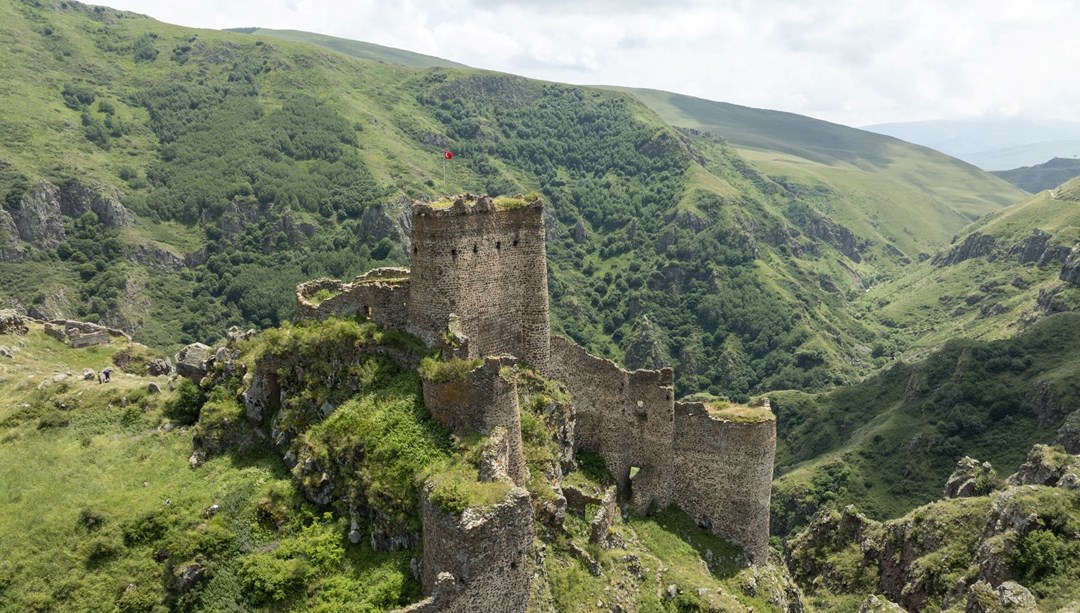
{"x":12,"y":323}
{"x":88,"y":374}
{"x":191,"y":361}
{"x":153,"y":388}
{"x":158,"y":367}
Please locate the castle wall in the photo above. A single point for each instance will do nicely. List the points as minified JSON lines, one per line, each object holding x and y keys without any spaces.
{"x":484,"y":552}
{"x":481,"y":401}
{"x":723,"y":475}
{"x":626,"y":418}
{"x":380,"y":295}
{"x":489,"y":267}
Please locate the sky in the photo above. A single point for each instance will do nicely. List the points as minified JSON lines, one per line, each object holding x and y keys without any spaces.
{"x":848,"y":61}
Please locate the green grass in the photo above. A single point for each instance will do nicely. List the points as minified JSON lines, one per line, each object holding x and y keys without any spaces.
{"x":109,"y":488}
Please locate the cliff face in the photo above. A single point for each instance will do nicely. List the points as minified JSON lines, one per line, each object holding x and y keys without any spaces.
{"x":37,"y":218}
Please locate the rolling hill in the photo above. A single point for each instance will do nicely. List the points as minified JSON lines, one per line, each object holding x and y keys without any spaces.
{"x":1047,"y":175}
{"x":193,"y":177}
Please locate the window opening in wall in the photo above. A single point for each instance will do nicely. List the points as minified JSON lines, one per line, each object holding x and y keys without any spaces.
{"x":367,"y":312}
{"x":475,"y":248}
{"x":498,"y":245}
{"x":415,"y":249}
{"x":453,"y":253}
{"x":515,"y":242}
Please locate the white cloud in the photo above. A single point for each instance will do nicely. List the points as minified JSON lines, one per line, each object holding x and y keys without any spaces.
{"x":850,"y":61}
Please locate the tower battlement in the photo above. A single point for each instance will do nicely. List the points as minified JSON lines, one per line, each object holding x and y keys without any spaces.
{"x":483,"y":260}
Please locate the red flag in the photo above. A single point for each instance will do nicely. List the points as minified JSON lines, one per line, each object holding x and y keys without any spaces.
{"x":448,"y":155}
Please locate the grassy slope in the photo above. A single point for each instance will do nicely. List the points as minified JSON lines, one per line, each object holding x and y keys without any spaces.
{"x":934,"y":303}
{"x":355,"y":48}
{"x":887,"y":189}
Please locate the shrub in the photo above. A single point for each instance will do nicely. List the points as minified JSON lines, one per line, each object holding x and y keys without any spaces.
{"x":184,"y":408}
{"x":267,"y":578}
{"x":101,"y":549}
{"x":440,"y":371}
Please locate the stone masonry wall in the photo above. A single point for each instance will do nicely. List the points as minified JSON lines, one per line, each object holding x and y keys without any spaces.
{"x":478,"y":561}
{"x":489,"y":267}
{"x":379,"y":295}
{"x":723,"y":475}
{"x":481,"y":401}
{"x":625,"y":417}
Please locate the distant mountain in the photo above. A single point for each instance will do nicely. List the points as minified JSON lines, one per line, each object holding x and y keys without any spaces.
{"x":998,"y":144}
{"x":1047,"y":175}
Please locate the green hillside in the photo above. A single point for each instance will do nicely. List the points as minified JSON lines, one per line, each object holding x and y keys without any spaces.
{"x":1047,"y":175}
{"x":888,"y":444}
{"x":246,"y":164}
{"x":999,"y":276}
{"x":890,"y":191}
{"x":355,"y":48}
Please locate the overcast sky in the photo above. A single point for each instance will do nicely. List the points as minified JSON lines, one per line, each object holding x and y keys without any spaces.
{"x":849,"y":61}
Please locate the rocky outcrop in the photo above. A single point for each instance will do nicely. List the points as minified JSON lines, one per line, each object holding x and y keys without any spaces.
{"x":974,"y":245}
{"x":10,"y":250}
{"x":1009,"y":596}
{"x":12,"y":323}
{"x":392,"y":220}
{"x":153,"y":257}
{"x":1044,"y":465}
{"x":1044,"y":403}
{"x":970,"y":478}
{"x":38,"y":217}
{"x":1070,"y":271}
{"x":1068,"y":436}
{"x":77,"y":199}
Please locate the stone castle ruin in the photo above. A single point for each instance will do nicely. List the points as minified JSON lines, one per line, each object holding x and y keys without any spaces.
{"x":477,"y":286}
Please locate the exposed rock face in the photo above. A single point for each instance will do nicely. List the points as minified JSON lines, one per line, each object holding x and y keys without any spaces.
{"x":77,"y":199}
{"x":83,"y":334}
{"x":37,"y":216}
{"x":975,"y":245}
{"x":191,"y":361}
{"x":1031,"y":248}
{"x":1070,"y":272}
{"x":12,"y":323}
{"x":970,"y":478}
{"x":1044,"y":403}
{"x":153,"y":257}
{"x":392,"y":220}
{"x":1068,"y":435}
{"x":10,"y":251}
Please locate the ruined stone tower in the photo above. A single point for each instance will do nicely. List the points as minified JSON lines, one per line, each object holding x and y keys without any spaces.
{"x":483,"y":261}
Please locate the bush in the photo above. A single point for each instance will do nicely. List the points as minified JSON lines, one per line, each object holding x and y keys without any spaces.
{"x":1037,"y":554}
{"x":267,"y":578}
{"x":440,"y":371}
{"x":101,"y":549}
{"x":185,"y":407}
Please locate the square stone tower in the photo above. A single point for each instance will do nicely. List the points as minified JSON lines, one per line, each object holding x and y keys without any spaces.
{"x":482,"y":260}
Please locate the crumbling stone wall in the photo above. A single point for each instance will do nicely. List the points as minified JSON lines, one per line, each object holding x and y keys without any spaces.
{"x":477,"y":561}
{"x":489,"y":267}
{"x":723,"y":474}
{"x":379,"y":295}
{"x":83,"y":334}
{"x":625,"y":417}
{"x":484,"y":399}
